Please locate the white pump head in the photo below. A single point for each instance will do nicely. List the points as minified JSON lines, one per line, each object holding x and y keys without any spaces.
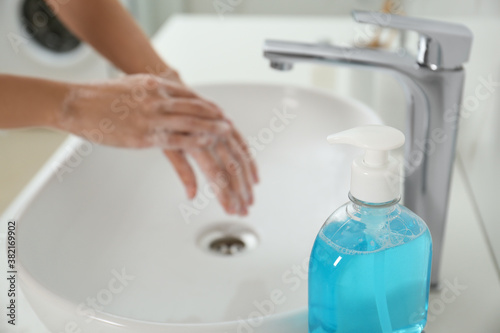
{"x":375,"y":177}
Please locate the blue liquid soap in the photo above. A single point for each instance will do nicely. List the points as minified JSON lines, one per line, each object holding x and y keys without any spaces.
{"x":370,"y":271}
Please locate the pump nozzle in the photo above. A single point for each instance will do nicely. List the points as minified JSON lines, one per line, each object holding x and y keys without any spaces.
{"x":375,"y":177}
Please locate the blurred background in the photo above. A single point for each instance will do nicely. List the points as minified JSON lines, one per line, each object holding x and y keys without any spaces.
{"x":153,"y":14}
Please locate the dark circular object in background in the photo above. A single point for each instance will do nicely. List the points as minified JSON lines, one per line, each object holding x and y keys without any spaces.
{"x":44,"y":27}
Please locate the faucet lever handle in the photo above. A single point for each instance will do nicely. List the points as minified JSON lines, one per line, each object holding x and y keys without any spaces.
{"x":442,"y":45}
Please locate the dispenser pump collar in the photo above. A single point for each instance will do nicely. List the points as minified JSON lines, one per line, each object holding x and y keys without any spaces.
{"x":375,"y":177}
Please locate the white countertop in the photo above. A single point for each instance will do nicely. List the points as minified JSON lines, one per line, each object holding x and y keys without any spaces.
{"x":207,"y":49}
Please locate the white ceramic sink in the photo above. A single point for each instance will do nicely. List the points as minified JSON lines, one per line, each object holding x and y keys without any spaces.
{"x":120,"y":211}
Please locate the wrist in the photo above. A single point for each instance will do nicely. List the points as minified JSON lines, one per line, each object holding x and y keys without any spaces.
{"x":48,"y":98}
{"x":61,"y":115}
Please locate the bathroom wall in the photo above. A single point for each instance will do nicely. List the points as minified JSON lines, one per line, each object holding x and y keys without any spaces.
{"x":479,"y":136}
{"x":453,"y":8}
{"x":152,"y":14}
{"x":283,"y":7}
{"x":340,"y":7}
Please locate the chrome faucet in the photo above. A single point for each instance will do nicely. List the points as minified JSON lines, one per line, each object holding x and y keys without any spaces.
{"x":433,"y":84}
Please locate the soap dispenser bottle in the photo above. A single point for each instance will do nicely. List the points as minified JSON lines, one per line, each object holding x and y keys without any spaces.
{"x":370,"y":265}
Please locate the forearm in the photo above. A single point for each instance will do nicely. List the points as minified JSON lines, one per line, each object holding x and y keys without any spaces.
{"x":29,"y":102}
{"x":112,"y":31}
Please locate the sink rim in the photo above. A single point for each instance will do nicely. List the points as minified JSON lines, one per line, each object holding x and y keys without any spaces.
{"x":27,"y":279}
{"x":30,"y":192}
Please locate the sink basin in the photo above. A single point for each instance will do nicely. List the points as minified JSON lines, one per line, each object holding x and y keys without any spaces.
{"x":107,"y":241}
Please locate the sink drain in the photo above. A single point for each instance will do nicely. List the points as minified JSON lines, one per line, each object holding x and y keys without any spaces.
{"x":228,"y":239}
{"x":227,"y":245}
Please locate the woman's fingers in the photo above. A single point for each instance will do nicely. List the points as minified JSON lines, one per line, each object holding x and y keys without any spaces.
{"x":242,"y":168}
{"x":189,"y":106}
{"x":229,"y":175}
{"x":222,"y":162}
{"x":179,"y":141}
{"x":185,"y":121}
{"x":216,"y":111}
{"x":217,"y":178}
{"x":184,"y":170}
{"x":242,"y":143}
{"x":190,"y":125}
{"x":236,"y":182}
{"x":247,"y":155}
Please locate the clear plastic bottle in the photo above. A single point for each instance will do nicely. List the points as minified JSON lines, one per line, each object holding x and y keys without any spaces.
{"x":370,"y":265}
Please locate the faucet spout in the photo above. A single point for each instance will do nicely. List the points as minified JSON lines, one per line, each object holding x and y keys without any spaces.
{"x":433,"y":87}
{"x":291,"y":52}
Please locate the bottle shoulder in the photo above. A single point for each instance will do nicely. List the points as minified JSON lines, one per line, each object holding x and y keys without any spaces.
{"x":364,"y":229}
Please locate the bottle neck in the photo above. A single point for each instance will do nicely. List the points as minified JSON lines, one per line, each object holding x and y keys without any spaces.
{"x":370,"y":208}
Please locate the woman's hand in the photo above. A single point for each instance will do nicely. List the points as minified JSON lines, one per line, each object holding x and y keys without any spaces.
{"x":144,"y":111}
{"x":140,"y":111}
